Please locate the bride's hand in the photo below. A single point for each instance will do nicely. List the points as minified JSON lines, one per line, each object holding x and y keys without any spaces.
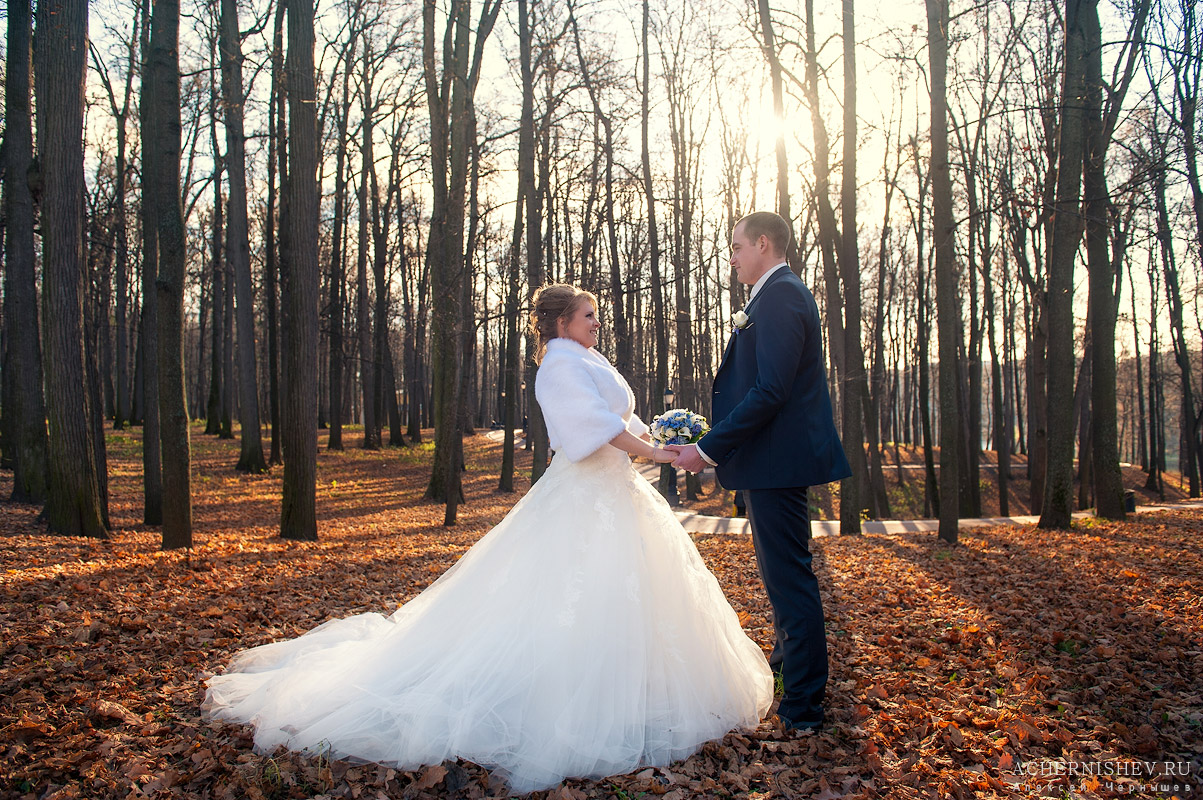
{"x":662,"y":456}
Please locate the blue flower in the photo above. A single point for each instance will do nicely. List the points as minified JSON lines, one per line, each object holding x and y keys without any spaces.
{"x":678,"y":426}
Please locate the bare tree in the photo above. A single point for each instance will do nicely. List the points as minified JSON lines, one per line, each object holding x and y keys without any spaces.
{"x":73,"y":503}
{"x":771,"y":54}
{"x":1100,"y":121}
{"x":337,"y":285}
{"x":918,"y":208}
{"x":238,"y":255}
{"x":449,"y":93}
{"x":1178,"y":34}
{"x":217,"y":421}
{"x":828,"y":232}
{"x":363,"y":319}
{"x":624,"y":355}
{"x":682,"y":106}
{"x":275,"y":247}
{"x":152,"y":453}
{"x":526,"y":179}
{"x":121,"y":111}
{"x":854,"y":491}
{"x":536,"y":273}
{"x":298,"y":514}
{"x":24,"y":403}
{"x":948,"y":307}
{"x":165,"y":198}
{"x":668,"y":474}
{"x":1067,"y":233}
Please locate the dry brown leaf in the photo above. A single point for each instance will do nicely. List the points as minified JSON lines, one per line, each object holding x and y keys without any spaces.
{"x":431,"y":777}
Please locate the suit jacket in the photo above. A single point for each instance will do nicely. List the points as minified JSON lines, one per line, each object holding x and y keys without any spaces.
{"x":772,"y":424}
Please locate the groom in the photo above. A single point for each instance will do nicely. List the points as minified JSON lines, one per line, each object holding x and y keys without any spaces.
{"x":773,"y":436}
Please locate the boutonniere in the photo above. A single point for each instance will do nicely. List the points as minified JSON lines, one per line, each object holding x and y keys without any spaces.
{"x":740,"y":320}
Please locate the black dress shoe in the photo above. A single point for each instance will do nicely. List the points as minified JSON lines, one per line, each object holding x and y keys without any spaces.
{"x":788,"y":724}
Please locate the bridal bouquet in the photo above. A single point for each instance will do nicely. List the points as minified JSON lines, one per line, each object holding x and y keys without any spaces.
{"x":678,"y":426}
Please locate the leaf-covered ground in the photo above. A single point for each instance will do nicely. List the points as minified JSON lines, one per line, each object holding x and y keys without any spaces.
{"x":988,"y":670}
{"x":904,"y":488}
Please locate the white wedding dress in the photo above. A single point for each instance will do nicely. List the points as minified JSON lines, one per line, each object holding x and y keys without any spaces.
{"x":581,"y":637}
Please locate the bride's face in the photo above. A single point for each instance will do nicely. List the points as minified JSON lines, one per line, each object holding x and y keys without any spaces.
{"x":582,"y":327}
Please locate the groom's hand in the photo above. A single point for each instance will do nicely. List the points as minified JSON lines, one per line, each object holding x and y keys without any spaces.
{"x":688,"y":458}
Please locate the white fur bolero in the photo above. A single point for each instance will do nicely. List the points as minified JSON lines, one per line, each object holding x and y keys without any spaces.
{"x":585,"y":401}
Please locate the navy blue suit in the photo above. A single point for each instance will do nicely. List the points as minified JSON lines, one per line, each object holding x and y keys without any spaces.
{"x":773,"y":435}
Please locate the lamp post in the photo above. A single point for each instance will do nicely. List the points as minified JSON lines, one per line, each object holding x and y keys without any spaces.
{"x":668,"y":473}
{"x":522,"y":407}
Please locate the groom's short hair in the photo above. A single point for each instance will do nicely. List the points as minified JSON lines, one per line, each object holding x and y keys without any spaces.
{"x":766,"y":223}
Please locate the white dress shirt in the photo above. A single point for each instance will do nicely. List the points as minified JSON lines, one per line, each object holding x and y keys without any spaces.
{"x":756,"y":287}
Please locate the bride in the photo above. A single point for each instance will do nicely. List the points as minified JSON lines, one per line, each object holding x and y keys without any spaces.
{"x":581,"y":637}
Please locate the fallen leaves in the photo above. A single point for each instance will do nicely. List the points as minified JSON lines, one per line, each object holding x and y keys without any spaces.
{"x":953,"y":672}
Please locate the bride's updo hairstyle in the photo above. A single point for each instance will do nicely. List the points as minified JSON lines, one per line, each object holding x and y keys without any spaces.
{"x":554,"y":302}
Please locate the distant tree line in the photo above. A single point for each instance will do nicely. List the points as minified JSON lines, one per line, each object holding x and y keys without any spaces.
{"x":282,"y":222}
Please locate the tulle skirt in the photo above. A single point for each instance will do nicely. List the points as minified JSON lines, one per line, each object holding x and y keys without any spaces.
{"x":581,"y":637}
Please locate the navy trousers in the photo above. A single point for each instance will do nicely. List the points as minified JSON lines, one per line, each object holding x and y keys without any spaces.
{"x":780,"y":521}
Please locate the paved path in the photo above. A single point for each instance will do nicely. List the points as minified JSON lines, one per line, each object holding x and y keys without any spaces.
{"x":700,"y":523}
{"x":499,"y":436}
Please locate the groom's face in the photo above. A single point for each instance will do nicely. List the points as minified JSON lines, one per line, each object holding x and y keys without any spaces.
{"x":749,"y":258}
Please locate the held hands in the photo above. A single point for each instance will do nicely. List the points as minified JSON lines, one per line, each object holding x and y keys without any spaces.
{"x":687,"y":457}
{"x":662,"y":455}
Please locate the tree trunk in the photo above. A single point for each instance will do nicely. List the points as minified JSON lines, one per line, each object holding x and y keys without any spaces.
{"x":1173,"y":293}
{"x":769,"y":47}
{"x":121,"y":405}
{"x":169,"y":220}
{"x":395,"y":437}
{"x":684,"y":151}
{"x":277,"y":137}
{"x":380,"y":228}
{"x":238,"y":255}
{"x":1143,"y":444}
{"x":337,"y":280}
{"x":536,"y":274}
{"x":854,"y":491}
{"x":449,"y":97}
{"x":828,"y":234}
{"x":874,"y":398}
{"x":948,"y":315}
{"x":152,"y":453}
{"x":217,"y":307}
{"x":363,"y":319}
{"x":73,"y":504}
{"x":1000,"y":426}
{"x":1067,"y":232}
{"x":1156,"y":418}
{"x":25,"y":404}
{"x":667,"y":484}
{"x":410,"y":352}
{"x":1102,"y":269}
{"x":1081,"y":410}
{"x":624,"y":353}
{"x":95,"y":312}
{"x":509,"y":396}
{"x":298,"y":515}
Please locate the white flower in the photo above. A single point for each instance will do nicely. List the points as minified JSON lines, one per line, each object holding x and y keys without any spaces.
{"x":686,"y":432}
{"x":739,"y":320}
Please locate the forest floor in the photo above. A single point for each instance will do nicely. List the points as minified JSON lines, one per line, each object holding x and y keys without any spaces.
{"x":1019,"y":663}
{"x":904,"y":488}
